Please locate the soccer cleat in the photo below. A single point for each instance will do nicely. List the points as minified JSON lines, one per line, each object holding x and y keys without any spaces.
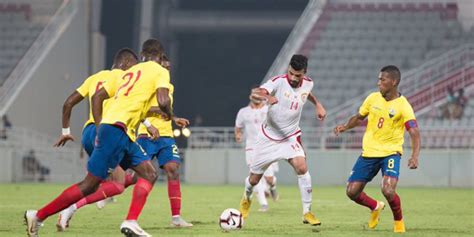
{"x":274,"y":194}
{"x":309,"y":218}
{"x":263,"y":208}
{"x":32,"y":223}
{"x":132,"y":229}
{"x":375,"y":214}
{"x":101,"y":204}
{"x":245,"y":206}
{"x":64,"y":218}
{"x":179,"y":222}
{"x":399,"y":226}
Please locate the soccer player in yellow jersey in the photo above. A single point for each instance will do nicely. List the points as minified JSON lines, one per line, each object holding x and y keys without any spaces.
{"x":165,"y":151}
{"x":115,"y":142}
{"x":118,"y":180}
{"x":389,"y":114}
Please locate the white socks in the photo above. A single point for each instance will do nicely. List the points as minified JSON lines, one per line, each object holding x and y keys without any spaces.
{"x":260,"y":189}
{"x":248,"y":188}
{"x":304,"y":183}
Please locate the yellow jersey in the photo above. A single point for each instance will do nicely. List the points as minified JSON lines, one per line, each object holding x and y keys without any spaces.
{"x":164,"y":126}
{"x":93,"y":84}
{"x":131,"y":97}
{"x":386,"y":125}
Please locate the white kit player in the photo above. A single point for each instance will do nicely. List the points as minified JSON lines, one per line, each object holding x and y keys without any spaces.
{"x":279,"y":136}
{"x":250,"y":119}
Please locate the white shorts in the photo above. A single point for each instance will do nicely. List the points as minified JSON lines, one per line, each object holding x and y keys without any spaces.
{"x":267,"y":151}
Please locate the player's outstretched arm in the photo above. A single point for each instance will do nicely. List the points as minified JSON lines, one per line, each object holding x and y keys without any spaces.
{"x":320,"y":110}
{"x":262,"y":94}
{"x":181,"y":122}
{"x":354,"y":121}
{"x":416,"y":142}
{"x":97,"y":106}
{"x":70,"y":102}
{"x":164,"y":102}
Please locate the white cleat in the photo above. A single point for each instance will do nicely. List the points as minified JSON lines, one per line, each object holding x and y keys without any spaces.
{"x":64,"y":218}
{"x":179,"y":222}
{"x":263,"y":208}
{"x":132,"y":229}
{"x":32,"y":223}
{"x":101,"y":204}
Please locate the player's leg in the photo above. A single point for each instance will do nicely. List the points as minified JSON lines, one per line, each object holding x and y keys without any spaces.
{"x":147,"y":175}
{"x":105,"y":156}
{"x":363,"y":172}
{"x":250,"y":182}
{"x":260,"y":189}
{"x":304,"y":183}
{"x":390,"y":171}
{"x":271,"y":180}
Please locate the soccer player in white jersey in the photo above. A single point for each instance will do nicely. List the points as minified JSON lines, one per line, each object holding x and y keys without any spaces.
{"x":279,"y":136}
{"x":250,"y":118}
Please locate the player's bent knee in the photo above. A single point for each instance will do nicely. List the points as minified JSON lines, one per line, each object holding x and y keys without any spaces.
{"x":388,"y":193}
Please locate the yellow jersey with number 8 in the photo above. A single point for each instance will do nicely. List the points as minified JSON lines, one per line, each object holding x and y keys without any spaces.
{"x":386,"y":125}
{"x":132,"y":94}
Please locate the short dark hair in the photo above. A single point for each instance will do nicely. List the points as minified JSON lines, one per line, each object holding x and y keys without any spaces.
{"x":393,"y":71}
{"x":299,"y":62}
{"x":125,"y":54}
{"x":152,"y":47}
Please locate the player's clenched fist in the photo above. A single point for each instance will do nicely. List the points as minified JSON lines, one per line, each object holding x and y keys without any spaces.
{"x":339,"y":129}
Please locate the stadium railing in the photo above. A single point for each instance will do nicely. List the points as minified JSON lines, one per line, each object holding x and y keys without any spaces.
{"x":25,"y":68}
{"x":453,"y":137}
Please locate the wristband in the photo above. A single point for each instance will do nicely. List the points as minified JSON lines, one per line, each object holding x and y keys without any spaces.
{"x":66,"y":131}
{"x":147,"y":123}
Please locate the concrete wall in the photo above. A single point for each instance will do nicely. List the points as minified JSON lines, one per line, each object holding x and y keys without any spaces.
{"x":39,"y":104}
{"x":227,"y":166}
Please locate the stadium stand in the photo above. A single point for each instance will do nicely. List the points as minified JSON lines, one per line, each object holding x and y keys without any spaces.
{"x":20,"y":24}
{"x":350,"y":42}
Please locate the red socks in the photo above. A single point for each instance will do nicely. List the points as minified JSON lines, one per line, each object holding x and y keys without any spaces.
{"x":105,"y":190}
{"x":366,"y":201}
{"x":174,"y":194}
{"x":65,"y":199}
{"x":396,"y":206}
{"x":140,"y":193}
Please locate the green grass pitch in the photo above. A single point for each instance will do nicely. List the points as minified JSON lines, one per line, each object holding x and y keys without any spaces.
{"x":427,"y":212}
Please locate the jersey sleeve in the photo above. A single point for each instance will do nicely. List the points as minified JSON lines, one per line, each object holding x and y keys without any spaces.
{"x":239,"y":120}
{"x":84,"y":88}
{"x":409,"y":118}
{"x":163,"y":79}
{"x":365,"y":107}
{"x":270,"y":85}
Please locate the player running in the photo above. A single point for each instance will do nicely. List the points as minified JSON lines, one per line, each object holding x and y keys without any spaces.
{"x":115,"y":139}
{"x":166,"y":152}
{"x":118,"y":179}
{"x":250,"y":118}
{"x":279,"y":138}
{"x":388,"y":113}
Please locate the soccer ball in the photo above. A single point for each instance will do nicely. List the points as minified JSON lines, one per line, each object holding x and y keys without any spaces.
{"x":231,"y":219}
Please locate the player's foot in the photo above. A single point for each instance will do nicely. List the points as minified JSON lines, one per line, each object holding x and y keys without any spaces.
{"x":101,"y":204}
{"x":274,"y":194}
{"x":263,"y":208}
{"x":32,"y":223}
{"x":180,"y":222}
{"x":64,"y":218}
{"x":245,"y":206}
{"x":399,"y":226}
{"x":309,"y":218}
{"x":132,"y":229}
{"x":375,"y":214}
